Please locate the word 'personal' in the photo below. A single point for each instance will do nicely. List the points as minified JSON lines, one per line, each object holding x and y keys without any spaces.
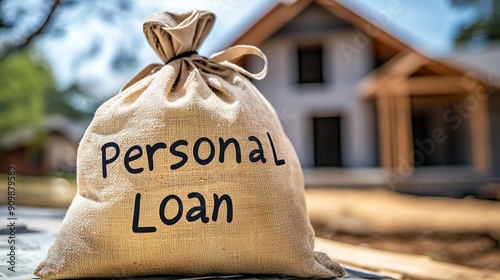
{"x":200,"y":148}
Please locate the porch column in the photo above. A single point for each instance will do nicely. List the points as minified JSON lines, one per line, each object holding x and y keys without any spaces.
{"x":403,"y":129}
{"x":385,"y":128}
{"x":476,"y":104}
{"x":394,"y":124}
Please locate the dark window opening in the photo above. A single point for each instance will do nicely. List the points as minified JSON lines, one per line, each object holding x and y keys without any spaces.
{"x":310,"y":64}
{"x":35,"y":157}
{"x":427,"y":152}
{"x":327,"y":144}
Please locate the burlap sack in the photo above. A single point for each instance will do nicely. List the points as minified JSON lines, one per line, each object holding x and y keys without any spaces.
{"x":187,"y":171}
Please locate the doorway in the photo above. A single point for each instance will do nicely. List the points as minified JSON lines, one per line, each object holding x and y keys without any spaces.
{"x":327,"y":141}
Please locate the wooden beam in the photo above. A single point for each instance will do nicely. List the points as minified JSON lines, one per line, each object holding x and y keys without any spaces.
{"x":369,"y":28}
{"x":282,"y":13}
{"x":406,"y":65}
{"x":402,"y":65}
{"x":403,"y":127}
{"x":384,"y":129}
{"x":395,"y":128}
{"x":437,"y":84}
{"x":477,"y":106}
{"x":271,"y":22}
{"x":411,"y":266}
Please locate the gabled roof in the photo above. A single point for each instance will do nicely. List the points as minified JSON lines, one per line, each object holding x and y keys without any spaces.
{"x":485,"y":62}
{"x":283,"y":12}
{"x":56,"y":123}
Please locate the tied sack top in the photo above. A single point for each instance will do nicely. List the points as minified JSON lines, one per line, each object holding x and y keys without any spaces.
{"x":187,"y":171}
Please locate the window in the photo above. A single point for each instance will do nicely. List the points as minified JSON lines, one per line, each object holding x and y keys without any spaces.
{"x":35,"y":157}
{"x":310,"y":64}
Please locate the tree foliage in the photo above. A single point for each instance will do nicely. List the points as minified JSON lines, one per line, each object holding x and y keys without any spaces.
{"x":29,"y":90}
{"x":487,"y":24}
{"x":73,"y":102}
{"x":23,"y":22}
{"x":25,"y":81}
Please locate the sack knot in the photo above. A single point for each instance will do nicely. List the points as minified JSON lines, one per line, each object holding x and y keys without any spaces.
{"x":181,"y":55}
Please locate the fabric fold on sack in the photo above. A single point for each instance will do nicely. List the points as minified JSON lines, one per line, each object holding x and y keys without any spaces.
{"x":172,"y":34}
{"x":187,"y":171}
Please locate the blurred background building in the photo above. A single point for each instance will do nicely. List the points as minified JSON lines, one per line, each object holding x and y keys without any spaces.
{"x":353,"y":96}
{"x":43,"y":150}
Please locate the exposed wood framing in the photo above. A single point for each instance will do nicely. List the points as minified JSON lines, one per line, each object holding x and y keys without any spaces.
{"x":271,"y":22}
{"x":282,"y":13}
{"x":402,"y":65}
{"x":436,"y":84}
{"x":384,"y":129}
{"x":477,"y":106}
{"x":394,"y":122}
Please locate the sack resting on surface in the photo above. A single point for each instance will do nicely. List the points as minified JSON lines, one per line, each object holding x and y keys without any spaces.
{"x":187,"y":171}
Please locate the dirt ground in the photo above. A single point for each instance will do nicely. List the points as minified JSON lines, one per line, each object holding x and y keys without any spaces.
{"x":461,"y":231}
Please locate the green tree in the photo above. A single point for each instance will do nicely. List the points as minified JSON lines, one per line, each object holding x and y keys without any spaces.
{"x":74,"y":102}
{"x":487,"y":25}
{"x":22,"y":23}
{"x":24,"y":81}
{"x":28,"y":87}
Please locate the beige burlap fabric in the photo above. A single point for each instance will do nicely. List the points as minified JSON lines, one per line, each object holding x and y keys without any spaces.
{"x":187,"y":171}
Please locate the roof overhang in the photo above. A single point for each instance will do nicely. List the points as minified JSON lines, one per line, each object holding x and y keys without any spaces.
{"x":283,"y":12}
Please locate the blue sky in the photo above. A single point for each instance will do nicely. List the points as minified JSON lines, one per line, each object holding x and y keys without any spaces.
{"x":427,"y":25}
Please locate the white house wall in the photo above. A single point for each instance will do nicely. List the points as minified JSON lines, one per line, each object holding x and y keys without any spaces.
{"x":297,"y":103}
